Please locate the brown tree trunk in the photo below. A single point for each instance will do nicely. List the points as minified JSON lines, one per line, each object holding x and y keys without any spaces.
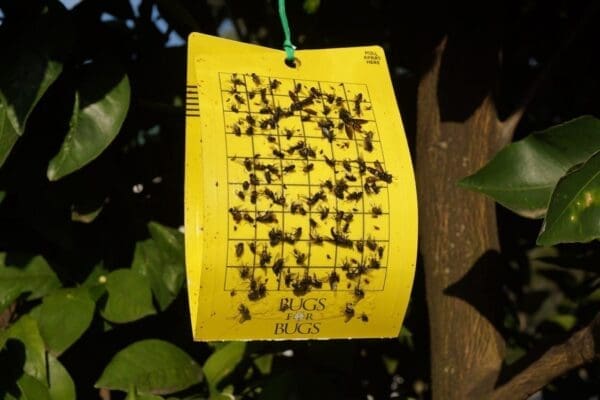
{"x":458,"y":131}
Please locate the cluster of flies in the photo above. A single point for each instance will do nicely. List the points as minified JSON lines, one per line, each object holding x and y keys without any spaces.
{"x":260,"y":173}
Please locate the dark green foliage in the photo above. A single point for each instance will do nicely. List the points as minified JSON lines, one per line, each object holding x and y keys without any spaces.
{"x":91,"y":258}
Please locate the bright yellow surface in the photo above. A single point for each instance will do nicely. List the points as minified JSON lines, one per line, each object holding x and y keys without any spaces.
{"x":229,"y":137}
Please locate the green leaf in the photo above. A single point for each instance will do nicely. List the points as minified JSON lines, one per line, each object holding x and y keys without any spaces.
{"x":100,"y":107}
{"x":574,"y":211}
{"x":31,"y":389}
{"x":161,"y":260}
{"x":222,"y":362}
{"x":60,"y":382}
{"x":129,"y":296}
{"x":26,"y":331}
{"x":522,"y":176}
{"x":63,"y":317}
{"x":8,"y":135}
{"x":152,"y":367}
{"x":2,"y":196}
{"x":34,"y":50}
{"x":133,"y":396}
{"x":264,"y":363}
{"x":35,"y":277}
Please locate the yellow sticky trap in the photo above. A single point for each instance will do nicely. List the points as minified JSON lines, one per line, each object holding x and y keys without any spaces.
{"x":300,"y":200}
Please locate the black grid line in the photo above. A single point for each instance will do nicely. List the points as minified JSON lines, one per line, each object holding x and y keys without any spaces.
{"x":306,"y":161}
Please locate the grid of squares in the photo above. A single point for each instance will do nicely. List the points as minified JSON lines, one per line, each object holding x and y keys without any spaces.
{"x":285,"y":214}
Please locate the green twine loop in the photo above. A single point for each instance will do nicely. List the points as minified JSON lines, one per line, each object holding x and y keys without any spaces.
{"x":287,"y":43}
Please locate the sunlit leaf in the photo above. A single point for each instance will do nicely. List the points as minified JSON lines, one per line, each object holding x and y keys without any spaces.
{"x":35,"y":277}
{"x":129,"y":296}
{"x":574,"y":210}
{"x":26,"y":331}
{"x":522,"y":176}
{"x":31,"y":388}
{"x":100,"y":107}
{"x":64,"y":316}
{"x":264,"y":363}
{"x":151,"y":367}
{"x":161,"y":260}
{"x":222,"y":362}
{"x":60,"y":382}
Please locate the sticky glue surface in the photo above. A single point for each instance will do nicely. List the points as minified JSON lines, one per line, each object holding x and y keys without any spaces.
{"x":300,"y":199}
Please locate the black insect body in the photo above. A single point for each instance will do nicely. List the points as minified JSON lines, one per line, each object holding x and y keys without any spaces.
{"x":297,"y":208}
{"x":271,"y":138}
{"x":252,"y":247}
{"x":349,"y":312}
{"x":255,"y":79}
{"x":288,"y":133}
{"x":297,"y":146}
{"x":294,"y":236}
{"x":239,"y":249}
{"x":250,"y":119}
{"x":277,"y":266}
{"x":236,"y":214}
{"x":333,"y":280}
{"x":316,"y":238}
{"x":362,"y":165}
{"x":380,"y":173}
{"x":350,"y":178}
{"x":359,"y":293}
{"x":360,"y":246}
{"x":323,"y":213}
{"x":364,"y":317}
{"x":380,"y":252}
{"x":340,"y":239}
{"x":288,"y":279}
{"x":275,"y":84}
{"x":253,"y":196}
{"x":265,"y":257}
{"x":254,"y":179}
{"x":354,"y":196}
{"x":368,"y":142}
{"x":244,"y":272}
{"x":350,"y":124}
{"x":302,"y":286}
{"x":376,"y":211}
{"x":237,"y":131}
{"x":267,"y":217}
{"x":300,"y":257}
{"x":241,"y":195}
{"x":340,"y":187}
{"x":235,"y":108}
{"x":248,"y":164}
{"x":239,"y":99}
{"x":371,"y":244}
{"x":246,"y":185}
{"x":327,"y":126}
{"x":250,"y":131}
{"x":374,"y":263}
{"x":257,"y":291}
{"x":320,"y":195}
{"x":278,"y":153}
{"x":346,"y":165}
{"x":330,"y":162}
{"x":275,"y":236}
{"x":244,"y":313}
{"x":247,"y":216}
{"x":289,"y":168}
{"x":357,"y":100}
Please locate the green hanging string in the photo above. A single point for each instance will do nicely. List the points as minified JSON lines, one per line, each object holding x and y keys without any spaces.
{"x":287,"y":43}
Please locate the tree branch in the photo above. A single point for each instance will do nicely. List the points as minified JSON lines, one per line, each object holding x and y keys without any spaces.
{"x":580,"y":348}
{"x":509,"y":125}
{"x":6,"y":316}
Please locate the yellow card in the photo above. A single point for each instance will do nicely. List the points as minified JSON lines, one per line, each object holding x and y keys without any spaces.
{"x":300,"y":199}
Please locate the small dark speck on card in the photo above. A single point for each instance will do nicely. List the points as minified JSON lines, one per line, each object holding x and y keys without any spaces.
{"x":217,"y":183}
